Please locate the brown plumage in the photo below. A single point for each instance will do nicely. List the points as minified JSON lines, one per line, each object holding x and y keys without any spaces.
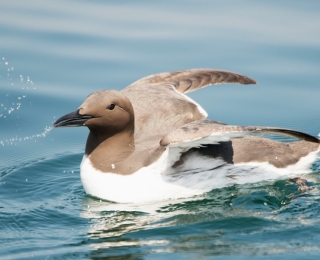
{"x":131,"y":129}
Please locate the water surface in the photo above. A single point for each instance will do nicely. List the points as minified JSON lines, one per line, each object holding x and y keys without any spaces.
{"x":53,"y":54}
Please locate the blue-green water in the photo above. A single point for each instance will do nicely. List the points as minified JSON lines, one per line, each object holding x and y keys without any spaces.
{"x":54,"y":53}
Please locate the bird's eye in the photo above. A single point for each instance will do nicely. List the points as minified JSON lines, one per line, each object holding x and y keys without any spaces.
{"x":111,"y":106}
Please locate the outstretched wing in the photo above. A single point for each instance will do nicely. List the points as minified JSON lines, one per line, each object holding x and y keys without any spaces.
{"x":207,"y":132}
{"x":160,"y":105}
{"x":217,"y":140}
{"x":190,"y":80}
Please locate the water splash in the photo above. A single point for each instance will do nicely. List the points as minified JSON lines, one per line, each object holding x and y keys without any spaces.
{"x":15,"y":88}
{"x":12,"y":101}
{"x":15,"y":140}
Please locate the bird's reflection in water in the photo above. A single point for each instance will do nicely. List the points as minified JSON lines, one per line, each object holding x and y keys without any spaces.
{"x":165,"y":226}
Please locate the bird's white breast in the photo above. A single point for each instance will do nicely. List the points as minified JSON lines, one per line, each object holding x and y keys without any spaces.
{"x":147,"y":184}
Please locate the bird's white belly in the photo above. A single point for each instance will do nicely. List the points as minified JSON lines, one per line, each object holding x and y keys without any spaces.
{"x":160,"y":182}
{"x":145,"y":185}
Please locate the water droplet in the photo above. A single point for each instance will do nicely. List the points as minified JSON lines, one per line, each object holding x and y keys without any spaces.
{"x":6,"y":63}
{"x":113,"y":166}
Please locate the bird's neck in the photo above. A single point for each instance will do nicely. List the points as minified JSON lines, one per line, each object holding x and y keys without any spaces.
{"x":106,"y":151}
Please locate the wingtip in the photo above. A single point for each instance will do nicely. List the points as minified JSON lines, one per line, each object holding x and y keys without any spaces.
{"x":250,"y":81}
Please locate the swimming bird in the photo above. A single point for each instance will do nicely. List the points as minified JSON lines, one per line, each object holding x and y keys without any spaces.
{"x":151,"y":142}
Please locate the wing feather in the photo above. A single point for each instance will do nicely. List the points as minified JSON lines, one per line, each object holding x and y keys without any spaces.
{"x":159,"y":102}
{"x":206,"y":131}
{"x":190,"y":80}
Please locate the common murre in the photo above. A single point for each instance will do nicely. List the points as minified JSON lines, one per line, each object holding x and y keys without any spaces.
{"x":151,"y":142}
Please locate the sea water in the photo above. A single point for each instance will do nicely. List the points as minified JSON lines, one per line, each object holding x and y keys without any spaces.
{"x":54,"y":54}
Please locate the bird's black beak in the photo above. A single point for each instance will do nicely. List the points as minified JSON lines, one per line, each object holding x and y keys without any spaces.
{"x":71,"y":119}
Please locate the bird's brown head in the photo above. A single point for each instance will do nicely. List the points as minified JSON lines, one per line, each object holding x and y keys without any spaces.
{"x":103,"y":112}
